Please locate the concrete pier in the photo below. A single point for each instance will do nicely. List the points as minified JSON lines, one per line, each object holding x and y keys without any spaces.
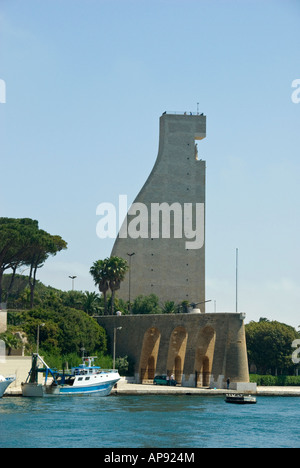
{"x":139,"y":389}
{"x":124,"y":388}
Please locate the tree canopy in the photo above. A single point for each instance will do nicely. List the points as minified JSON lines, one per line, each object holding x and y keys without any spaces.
{"x":64,"y":330}
{"x":269,"y":345}
{"x":146,"y":305}
{"x":108,"y":274}
{"x":22,"y":243}
{"x":16,"y":237}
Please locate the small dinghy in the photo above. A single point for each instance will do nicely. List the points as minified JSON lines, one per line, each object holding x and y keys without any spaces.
{"x":5,"y":383}
{"x":240,"y":399}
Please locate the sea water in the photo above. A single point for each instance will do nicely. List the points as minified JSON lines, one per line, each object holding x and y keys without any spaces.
{"x":154,"y":421}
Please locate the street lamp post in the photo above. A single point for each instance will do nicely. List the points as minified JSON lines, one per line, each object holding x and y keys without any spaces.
{"x":236,"y":278}
{"x":115,"y":344}
{"x":38,"y":337}
{"x":72,"y":278}
{"x":130,"y":255}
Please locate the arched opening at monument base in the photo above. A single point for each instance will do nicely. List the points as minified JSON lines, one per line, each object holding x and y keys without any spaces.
{"x":151,"y":367}
{"x":178,"y":369}
{"x":212,"y":345}
{"x":149,"y":354}
{"x":176,"y":353}
{"x":204,"y":356}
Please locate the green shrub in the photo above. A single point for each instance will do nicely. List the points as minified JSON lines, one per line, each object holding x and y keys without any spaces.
{"x":65,"y":331}
{"x":275,"y":381}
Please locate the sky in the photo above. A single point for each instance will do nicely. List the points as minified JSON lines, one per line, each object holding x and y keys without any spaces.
{"x":83,"y":84}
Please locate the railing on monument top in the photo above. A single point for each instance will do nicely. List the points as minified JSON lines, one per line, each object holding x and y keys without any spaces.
{"x":182,"y":113}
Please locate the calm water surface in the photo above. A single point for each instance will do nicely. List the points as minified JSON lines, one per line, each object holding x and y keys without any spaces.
{"x":148,"y":421}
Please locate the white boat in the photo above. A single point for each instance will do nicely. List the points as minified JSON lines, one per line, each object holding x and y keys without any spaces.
{"x":240,"y":399}
{"x":4,"y":383}
{"x":85,"y":379}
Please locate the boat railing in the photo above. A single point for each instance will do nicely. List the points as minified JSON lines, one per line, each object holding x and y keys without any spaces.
{"x":11,"y":377}
{"x":85,"y":371}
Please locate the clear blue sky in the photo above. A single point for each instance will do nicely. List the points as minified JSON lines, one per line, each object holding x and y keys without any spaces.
{"x":86,"y":83}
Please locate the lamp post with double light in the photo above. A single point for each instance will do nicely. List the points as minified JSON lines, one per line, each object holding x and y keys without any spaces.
{"x":130,"y":255}
{"x":38,"y":336}
{"x":115,"y":345}
{"x":72,"y":278}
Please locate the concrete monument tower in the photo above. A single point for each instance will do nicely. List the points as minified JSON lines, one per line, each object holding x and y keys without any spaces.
{"x":163,"y":237}
{"x":165,"y":226}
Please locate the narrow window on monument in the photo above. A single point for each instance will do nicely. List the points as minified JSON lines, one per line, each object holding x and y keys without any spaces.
{"x":196,"y":152}
{"x":196,"y":140}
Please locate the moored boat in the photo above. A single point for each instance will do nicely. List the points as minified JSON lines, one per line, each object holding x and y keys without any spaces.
{"x":85,"y":379}
{"x":240,"y":399}
{"x":5,"y":383}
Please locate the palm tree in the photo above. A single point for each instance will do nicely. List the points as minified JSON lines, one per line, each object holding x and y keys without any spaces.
{"x":116,"y":271}
{"x":109,"y":273}
{"x":90,"y":302}
{"x":100,"y":276}
{"x":11,"y":341}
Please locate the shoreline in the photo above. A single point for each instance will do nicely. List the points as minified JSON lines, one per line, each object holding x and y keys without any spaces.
{"x":150,"y":389}
{"x":144,"y":389}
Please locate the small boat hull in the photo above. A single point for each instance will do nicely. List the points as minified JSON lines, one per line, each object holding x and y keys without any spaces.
{"x":241,"y":399}
{"x":34,"y":390}
{"x":100,"y":390}
{"x":4,"y":384}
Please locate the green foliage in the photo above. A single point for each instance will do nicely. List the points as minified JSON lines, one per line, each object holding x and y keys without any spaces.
{"x":122,"y":365}
{"x":65,"y":331}
{"x":61,"y":361}
{"x":90,"y":302}
{"x":151,"y":305}
{"x":184,"y":307}
{"x":58,"y":361}
{"x":269,"y":345}
{"x":11,"y":341}
{"x":263,"y":380}
{"x":22,"y":243}
{"x":275,"y":380}
{"x":146,"y":305}
{"x":169,"y":307}
{"x":105,"y":361}
{"x":108,"y":274}
{"x":48,"y":297}
{"x":100,"y":276}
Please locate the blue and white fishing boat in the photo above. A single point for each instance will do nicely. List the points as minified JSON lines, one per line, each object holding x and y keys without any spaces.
{"x":85,"y":379}
{"x":5,"y":383}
